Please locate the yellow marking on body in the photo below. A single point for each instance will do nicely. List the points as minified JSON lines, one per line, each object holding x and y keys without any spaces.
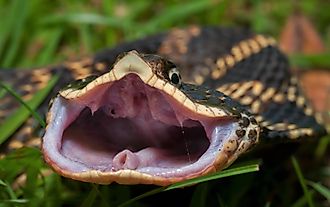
{"x":309,"y":111}
{"x":257,"y":88}
{"x":199,"y":79}
{"x":100,"y":67}
{"x":265,"y":41}
{"x":255,"y":107}
{"x":27,"y":96}
{"x":230,"y":61}
{"x":246,"y":100}
{"x":243,"y":89}
{"x":217,"y":73}
{"x":259,"y":118}
{"x":221,"y":63}
{"x":292,"y":126}
{"x":255,"y":47}
{"x":34,"y":142}
{"x":291,"y":97}
{"x":223,"y":87}
{"x":292,"y":91}
{"x":282,"y":126}
{"x":268,"y":94}
{"x":301,"y":101}
{"x":294,"y":134}
{"x":15,"y":144}
{"x":237,"y":54}
{"x":233,"y":87}
{"x":264,"y":123}
{"x":27,"y":88}
{"x":245,"y":48}
{"x":319,"y":118}
{"x":279,"y":98}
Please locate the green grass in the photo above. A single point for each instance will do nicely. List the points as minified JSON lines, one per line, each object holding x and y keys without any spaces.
{"x":35,"y":33}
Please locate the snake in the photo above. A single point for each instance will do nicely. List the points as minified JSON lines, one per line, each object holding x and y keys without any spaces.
{"x":163,"y":109}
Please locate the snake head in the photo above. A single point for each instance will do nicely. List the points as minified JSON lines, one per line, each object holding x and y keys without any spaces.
{"x":140,"y":124}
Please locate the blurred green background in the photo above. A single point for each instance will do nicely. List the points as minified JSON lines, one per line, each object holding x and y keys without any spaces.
{"x":35,"y":33}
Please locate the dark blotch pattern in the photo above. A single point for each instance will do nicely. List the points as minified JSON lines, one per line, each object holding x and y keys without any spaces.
{"x":240,"y":133}
{"x":252,"y":134}
{"x":245,"y":122}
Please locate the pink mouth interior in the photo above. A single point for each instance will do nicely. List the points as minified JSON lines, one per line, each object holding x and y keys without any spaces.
{"x":130,"y":125}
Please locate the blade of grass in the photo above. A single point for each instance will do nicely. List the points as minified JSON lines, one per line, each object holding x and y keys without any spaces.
{"x":17,"y":201}
{"x":53,"y":40}
{"x":21,"y":114}
{"x":9,"y":190}
{"x":86,"y":37}
{"x":21,"y":101}
{"x":9,"y":22}
{"x":176,"y":13}
{"x":89,"y":200}
{"x":322,"y":147}
{"x":324,"y":191}
{"x":225,"y":173}
{"x":83,"y":18}
{"x":2,"y":183}
{"x":301,"y":202}
{"x":310,"y":61}
{"x":221,"y":174}
{"x":16,"y":34}
{"x":200,"y":195}
{"x":302,"y":181}
{"x":2,"y":92}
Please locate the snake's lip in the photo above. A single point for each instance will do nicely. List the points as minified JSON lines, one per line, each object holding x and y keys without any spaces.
{"x":88,"y":137}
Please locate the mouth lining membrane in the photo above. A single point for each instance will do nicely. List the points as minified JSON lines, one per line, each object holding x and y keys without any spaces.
{"x":130,"y":125}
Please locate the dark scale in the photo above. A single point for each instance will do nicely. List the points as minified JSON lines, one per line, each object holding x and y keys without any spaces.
{"x":252,"y":134}
{"x":253,"y":120}
{"x":240,"y":133}
{"x":245,"y":122}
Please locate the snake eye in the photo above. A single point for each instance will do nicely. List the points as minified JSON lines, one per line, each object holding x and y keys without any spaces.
{"x":174,"y":76}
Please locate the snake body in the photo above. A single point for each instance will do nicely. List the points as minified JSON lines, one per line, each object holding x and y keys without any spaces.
{"x":247,"y":68}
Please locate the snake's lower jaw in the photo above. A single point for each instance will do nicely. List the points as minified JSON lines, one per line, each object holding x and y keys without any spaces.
{"x":129,"y":132}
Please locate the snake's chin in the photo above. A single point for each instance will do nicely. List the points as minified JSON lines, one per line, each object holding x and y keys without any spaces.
{"x":132,"y":131}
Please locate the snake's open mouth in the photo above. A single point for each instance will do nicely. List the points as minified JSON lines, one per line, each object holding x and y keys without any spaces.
{"x":130,"y":132}
{"x":133,"y":126}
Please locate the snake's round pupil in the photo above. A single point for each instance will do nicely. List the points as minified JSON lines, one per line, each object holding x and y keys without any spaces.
{"x":175,"y":78}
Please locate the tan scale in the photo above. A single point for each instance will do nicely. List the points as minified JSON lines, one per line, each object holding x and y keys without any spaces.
{"x":268,"y":94}
{"x":236,"y":52}
{"x":242,"y":89}
{"x":294,"y":134}
{"x":257,"y":88}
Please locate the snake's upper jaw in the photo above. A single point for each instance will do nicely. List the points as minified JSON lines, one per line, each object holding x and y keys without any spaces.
{"x":133,"y":126}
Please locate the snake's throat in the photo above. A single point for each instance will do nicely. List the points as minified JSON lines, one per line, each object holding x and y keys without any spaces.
{"x":126,"y":126}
